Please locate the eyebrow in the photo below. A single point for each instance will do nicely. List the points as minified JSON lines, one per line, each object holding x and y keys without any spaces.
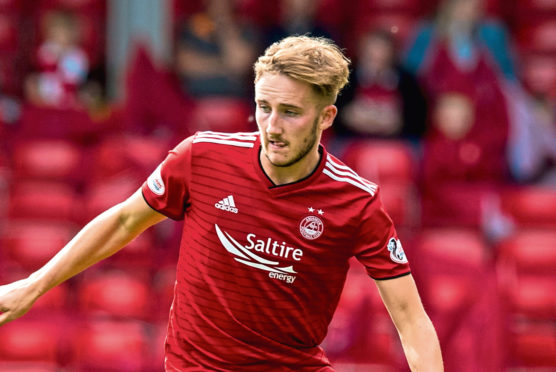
{"x":283,"y":105}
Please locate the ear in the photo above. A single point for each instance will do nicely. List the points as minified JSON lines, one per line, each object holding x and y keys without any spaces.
{"x":327,"y":116}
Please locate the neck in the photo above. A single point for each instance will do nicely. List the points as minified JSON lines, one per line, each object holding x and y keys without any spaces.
{"x":292,"y":173}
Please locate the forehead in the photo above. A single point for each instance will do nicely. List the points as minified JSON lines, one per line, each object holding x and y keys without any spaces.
{"x":281,"y":89}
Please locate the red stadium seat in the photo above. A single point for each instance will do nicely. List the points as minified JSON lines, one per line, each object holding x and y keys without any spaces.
{"x":401,"y":203}
{"x":47,"y":159}
{"x":539,"y":36}
{"x":535,"y":7}
{"x":120,"y":154}
{"x":381,"y":161}
{"x":11,"y":5}
{"x":462,"y":246}
{"x":9,"y":32}
{"x":45,"y":200}
{"x":116,"y":294}
{"x":539,"y":74}
{"x":10,"y":74}
{"x":54,"y":123}
{"x":86,"y":6}
{"x":533,"y":297}
{"x":527,"y":278}
{"x":223,"y":115}
{"x":31,"y":243}
{"x":111,"y":346}
{"x":529,"y":251}
{"x":402,"y":5}
{"x":390,"y":164}
{"x":448,"y":293}
{"x":29,"y":367}
{"x":139,"y":253}
{"x":531,"y":206}
{"x":533,"y":345}
{"x":354,"y":336}
{"x":55,"y":300}
{"x":105,"y":195}
{"x":30,"y":341}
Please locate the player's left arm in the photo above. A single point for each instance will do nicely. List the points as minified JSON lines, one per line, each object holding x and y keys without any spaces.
{"x":416,"y":331}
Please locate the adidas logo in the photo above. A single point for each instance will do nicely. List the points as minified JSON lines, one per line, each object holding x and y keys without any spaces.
{"x":227,"y":204}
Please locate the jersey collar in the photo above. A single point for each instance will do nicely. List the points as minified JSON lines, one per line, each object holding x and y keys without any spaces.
{"x":293,"y":186}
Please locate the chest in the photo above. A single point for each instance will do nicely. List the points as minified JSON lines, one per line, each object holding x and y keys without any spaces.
{"x":307,"y":232}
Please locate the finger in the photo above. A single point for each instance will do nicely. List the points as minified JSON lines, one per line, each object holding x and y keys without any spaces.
{"x":4,"y":318}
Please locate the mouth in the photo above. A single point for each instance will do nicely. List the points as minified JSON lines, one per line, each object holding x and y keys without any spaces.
{"x":276,"y":144}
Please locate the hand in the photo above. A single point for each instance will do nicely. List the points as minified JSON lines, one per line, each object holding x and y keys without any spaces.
{"x":15,"y":300}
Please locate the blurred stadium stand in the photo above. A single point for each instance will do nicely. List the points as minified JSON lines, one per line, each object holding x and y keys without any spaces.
{"x":492,"y":302}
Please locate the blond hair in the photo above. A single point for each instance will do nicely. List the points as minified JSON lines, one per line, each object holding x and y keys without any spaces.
{"x":314,"y":60}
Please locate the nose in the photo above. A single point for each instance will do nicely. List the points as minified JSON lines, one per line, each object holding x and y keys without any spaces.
{"x":273,"y":124}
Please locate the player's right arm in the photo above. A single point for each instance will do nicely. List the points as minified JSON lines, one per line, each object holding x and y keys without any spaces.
{"x":102,"y":237}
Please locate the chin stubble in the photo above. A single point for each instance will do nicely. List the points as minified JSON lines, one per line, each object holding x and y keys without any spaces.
{"x":309,"y":143}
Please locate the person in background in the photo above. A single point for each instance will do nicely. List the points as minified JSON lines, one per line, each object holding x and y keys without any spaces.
{"x":297,"y":17}
{"x":62,"y":65}
{"x":384,"y":100}
{"x":532,"y":140}
{"x":464,"y":52}
{"x":462,"y":175}
{"x":461,"y":30}
{"x":214,"y":52}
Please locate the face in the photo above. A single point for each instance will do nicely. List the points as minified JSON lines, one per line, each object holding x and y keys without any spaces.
{"x":454,"y":114}
{"x":290,"y":121}
{"x":466,"y":10}
{"x":376,"y":54}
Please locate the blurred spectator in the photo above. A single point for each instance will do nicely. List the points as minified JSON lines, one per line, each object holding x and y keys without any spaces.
{"x":215,"y":52}
{"x":383,"y":99}
{"x":61,"y":63}
{"x":462,"y":174}
{"x":461,"y":29}
{"x":465,"y":152}
{"x":297,"y":17}
{"x":532,"y":141}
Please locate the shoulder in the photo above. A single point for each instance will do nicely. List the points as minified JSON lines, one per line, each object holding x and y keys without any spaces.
{"x":203,"y":143}
{"x":342,"y":176}
{"x":206,"y":141}
{"x":221,"y":139}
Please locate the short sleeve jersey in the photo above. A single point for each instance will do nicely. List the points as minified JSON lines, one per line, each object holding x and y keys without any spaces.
{"x":261,"y":267}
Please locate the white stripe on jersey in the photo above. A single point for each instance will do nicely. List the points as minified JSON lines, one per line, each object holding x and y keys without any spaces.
{"x":232,"y":139}
{"x":224,"y":142}
{"x":339,"y":167}
{"x":209,"y":132}
{"x":349,"y":180}
{"x":238,"y":135}
{"x":333,"y":171}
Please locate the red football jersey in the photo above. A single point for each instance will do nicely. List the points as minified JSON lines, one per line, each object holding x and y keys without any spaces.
{"x":261,"y":267}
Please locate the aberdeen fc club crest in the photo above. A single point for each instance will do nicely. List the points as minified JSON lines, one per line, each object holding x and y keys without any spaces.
{"x":311,"y":227}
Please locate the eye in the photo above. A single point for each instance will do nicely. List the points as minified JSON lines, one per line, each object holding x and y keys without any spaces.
{"x":264,"y":108}
{"x":291,"y":113}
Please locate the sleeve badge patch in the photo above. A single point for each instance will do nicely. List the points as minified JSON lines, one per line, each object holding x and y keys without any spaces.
{"x":396,"y":251}
{"x":155,"y":182}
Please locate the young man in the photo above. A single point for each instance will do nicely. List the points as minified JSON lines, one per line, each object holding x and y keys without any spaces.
{"x":271,"y":220}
